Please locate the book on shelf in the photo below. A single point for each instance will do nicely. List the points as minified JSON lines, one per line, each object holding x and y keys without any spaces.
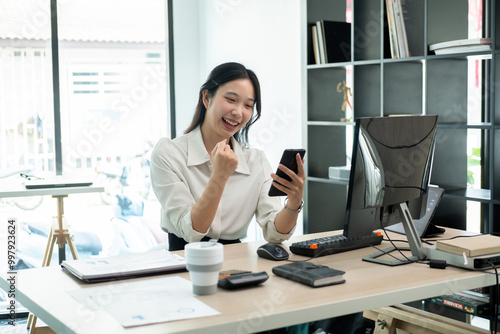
{"x":313,"y":56}
{"x":310,"y":45}
{"x":400,"y":24}
{"x":461,"y":46}
{"x":397,"y":30}
{"x":310,"y":274}
{"x":483,"y":244}
{"x":392,"y":29}
{"x":99,"y":269}
{"x":315,"y":45}
{"x":331,"y":41}
{"x":337,"y":39}
{"x":321,"y":43}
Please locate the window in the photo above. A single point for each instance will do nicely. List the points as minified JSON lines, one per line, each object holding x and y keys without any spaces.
{"x":112,"y":57}
{"x":475,"y":115}
{"x":26,"y":106}
{"x":112,"y":93}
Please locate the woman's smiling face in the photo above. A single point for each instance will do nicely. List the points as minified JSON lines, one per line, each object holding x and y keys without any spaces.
{"x":229,"y":109}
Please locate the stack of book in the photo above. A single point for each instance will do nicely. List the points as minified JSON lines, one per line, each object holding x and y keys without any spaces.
{"x":397,"y":30}
{"x":331,"y":41}
{"x":461,"y":46}
{"x":478,"y":245}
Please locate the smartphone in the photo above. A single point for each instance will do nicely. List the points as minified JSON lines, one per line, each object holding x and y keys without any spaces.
{"x":288,"y":159}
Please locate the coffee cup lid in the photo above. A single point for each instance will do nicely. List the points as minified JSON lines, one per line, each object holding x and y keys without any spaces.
{"x":203,"y":249}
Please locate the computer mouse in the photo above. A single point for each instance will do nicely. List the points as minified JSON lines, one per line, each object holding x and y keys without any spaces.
{"x":272,"y":252}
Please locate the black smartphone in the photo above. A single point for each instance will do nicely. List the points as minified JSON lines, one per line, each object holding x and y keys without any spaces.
{"x":287,"y":159}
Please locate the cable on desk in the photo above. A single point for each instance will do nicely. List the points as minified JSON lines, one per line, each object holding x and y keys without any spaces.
{"x":455,"y":237}
{"x":397,"y":249}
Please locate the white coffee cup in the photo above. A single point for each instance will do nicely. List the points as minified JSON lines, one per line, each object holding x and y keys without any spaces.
{"x":204,"y":262}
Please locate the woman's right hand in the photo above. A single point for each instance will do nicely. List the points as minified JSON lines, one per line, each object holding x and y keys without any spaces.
{"x":224,"y":160}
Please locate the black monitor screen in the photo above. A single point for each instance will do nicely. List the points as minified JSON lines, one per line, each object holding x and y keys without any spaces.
{"x":391,"y":164}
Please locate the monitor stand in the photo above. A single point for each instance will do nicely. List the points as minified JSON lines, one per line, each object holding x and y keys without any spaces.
{"x":423,"y":225}
{"x":416,"y":248}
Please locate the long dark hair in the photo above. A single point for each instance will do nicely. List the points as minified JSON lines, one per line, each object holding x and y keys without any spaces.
{"x":220,"y":75}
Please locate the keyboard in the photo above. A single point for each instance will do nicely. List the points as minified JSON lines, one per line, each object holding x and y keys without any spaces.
{"x":334,"y":244}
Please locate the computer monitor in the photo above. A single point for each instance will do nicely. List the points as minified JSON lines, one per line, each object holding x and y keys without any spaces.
{"x":390,"y":167}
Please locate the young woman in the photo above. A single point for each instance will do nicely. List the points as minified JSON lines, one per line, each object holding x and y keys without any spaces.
{"x":209,"y":182}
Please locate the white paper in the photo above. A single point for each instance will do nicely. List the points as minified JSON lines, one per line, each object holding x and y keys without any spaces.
{"x":146,"y":301}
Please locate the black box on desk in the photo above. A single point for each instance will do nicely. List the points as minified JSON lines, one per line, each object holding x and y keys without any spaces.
{"x":463,"y":304}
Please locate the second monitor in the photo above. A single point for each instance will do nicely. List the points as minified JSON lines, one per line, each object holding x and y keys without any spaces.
{"x":391,"y":166}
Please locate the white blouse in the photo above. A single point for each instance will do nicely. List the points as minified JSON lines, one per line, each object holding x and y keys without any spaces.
{"x":180,"y":170}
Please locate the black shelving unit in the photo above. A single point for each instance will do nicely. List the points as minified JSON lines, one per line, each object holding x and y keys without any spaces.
{"x":423,"y":83}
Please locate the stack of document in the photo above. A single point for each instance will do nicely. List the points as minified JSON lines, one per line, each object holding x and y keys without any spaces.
{"x":145,"y":301}
{"x":462,"y":45}
{"x":125,"y":266}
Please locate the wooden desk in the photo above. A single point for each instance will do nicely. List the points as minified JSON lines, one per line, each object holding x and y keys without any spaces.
{"x":276,"y":303}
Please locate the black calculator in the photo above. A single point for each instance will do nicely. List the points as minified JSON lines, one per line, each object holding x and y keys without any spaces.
{"x":235,"y":279}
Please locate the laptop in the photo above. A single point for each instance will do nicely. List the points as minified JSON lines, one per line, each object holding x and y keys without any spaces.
{"x":124,"y":266}
{"x":57,"y":182}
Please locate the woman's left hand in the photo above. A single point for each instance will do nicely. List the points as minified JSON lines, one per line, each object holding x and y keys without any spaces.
{"x":294,"y":189}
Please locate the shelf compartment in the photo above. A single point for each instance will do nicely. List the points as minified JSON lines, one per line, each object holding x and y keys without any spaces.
{"x":368,"y":23}
{"x":326,"y":147}
{"x":414,"y":11}
{"x":326,"y":10}
{"x":324,"y":102}
{"x":450,"y":159}
{"x":318,"y":10}
{"x":325,"y":207}
{"x":367,"y":102}
{"x":403,"y":88}
{"x":451,"y":212}
{"x":446,"y":20}
{"x":447,"y":90}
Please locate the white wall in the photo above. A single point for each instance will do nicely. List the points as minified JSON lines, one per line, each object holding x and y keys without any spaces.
{"x":264,"y":35}
{"x":187,"y":51}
